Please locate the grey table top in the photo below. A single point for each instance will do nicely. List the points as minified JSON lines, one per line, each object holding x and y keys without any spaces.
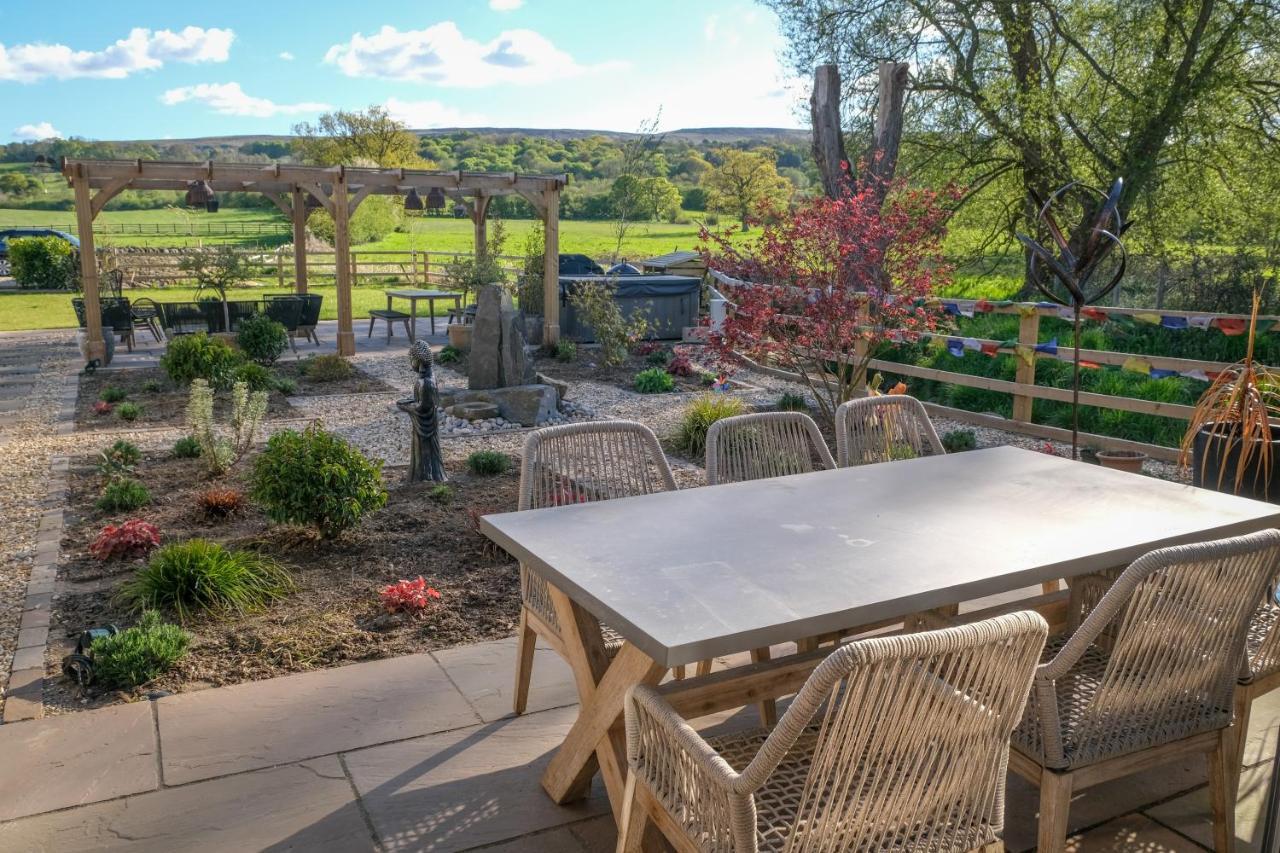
{"x":702,"y":572}
{"x":413,"y":293}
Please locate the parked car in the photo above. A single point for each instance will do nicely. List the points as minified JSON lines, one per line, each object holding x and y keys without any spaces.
{"x":8,"y":234}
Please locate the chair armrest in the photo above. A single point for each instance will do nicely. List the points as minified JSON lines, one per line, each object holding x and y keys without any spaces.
{"x":694,"y":784}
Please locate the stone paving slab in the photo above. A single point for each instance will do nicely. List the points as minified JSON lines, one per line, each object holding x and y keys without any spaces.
{"x":467,"y":788}
{"x":1190,"y":815}
{"x":307,"y":807}
{"x":260,"y":724}
{"x":76,"y":759}
{"x":1129,"y":834}
{"x":485,"y":673}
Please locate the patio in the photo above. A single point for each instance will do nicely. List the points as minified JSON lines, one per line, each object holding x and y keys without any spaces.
{"x":421,"y":753}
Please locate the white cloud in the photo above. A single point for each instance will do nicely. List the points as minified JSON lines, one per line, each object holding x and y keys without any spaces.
{"x":36,"y":132}
{"x":709,"y":27}
{"x":441,"y":54}
{"x":505,"y":5}
{"x":286,"y":56}
{"x":425,"y":114}
{"x":229,"y":99}
{"x":142,"y":50}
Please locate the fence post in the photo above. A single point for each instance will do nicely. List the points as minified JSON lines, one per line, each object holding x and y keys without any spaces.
{"x":426,"y":269}
{"x":1028,"y":336}
{"x":279,"y":268}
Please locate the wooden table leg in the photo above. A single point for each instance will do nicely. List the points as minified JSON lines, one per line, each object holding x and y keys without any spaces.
{"x":602,"y":687}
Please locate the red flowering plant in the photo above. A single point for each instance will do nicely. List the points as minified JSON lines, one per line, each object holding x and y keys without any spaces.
{"x":826,"y":287}
{"x":134,"y":538}
{"x":409,"y":596}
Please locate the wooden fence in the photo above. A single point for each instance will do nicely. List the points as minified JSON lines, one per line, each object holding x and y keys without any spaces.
{"x":275,"y":266}
{"x":1028,"y":350}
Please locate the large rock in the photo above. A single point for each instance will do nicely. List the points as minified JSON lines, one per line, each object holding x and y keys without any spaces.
{"x":528,"y":405}
{"x":562,"y":387}
{"x":499,"y":357}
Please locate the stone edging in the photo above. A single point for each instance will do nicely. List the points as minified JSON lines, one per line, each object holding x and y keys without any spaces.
{"x":24,"y":698}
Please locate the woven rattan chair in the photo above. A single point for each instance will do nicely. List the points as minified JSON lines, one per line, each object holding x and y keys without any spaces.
{"x":894,"y":743}
{"x":882,"y":429}
{"x":768,"y":444}
{"x":757,"y":447}
{"x":1147,"y":678}
{"x":569,"y":464}
{"x":1261,"y":673}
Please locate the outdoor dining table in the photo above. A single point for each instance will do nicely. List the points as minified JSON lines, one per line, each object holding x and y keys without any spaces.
{"x":414,"y":295}
{"x":699,"y":573}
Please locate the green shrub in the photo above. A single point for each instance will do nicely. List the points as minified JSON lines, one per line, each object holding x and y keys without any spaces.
{"x":792,"y":402}
{"x":186,"y":447}
{"x":257,"y":377}
{"x":659,"y":357}
{"x":112,"y":394}
{"x":44,"y":263}
{"x":119,"y":459}
{"x":959,"y":440}
{"x":222,"y":449}
{"x":327,"y":368}
{"x":440,"y":494}
{"x":139,"y":654}
{"x":316,"y":478}
{"x":122,"y":495}
{"x":488,"y":463}
{"x":566,"y":350}
{"x":151,"y":386}
{"x":449,"y":355}
{"x":128,"y":411}
{"x":202,"y":576}
{"x":593,"y":304}
{"x":697,"y":418}
{"x":655,"y":380}
{"x":198,"y":356}
{"x":262,"y":339}
{"x":285,"y":385}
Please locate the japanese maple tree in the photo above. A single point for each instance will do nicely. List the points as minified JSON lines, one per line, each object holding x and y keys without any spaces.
{"x":829,"y":284}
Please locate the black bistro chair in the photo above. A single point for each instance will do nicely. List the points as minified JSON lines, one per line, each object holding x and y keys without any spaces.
{"x":287,"y":311}
{"x":183,"y":318}
{"x":116,"y":317}
{"x":146,"y":315}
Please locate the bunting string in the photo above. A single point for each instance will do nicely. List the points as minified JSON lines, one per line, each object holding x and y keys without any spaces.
{"x":1094,"y":314}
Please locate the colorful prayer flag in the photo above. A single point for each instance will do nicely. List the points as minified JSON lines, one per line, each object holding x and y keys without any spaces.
{"x":1160,"y":373}
{"x":1199,"y":322}
{"x":1136,"y":365}
{"x":1146,"y":317}
{"x":1231,"y":325}
{"x":1170,"y":321}
{"x":1097,"y":315}
{"x":1051,"y":347}
{"x":955,"y":346}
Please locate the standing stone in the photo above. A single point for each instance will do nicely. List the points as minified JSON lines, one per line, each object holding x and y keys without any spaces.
{"x":486,"y":338}
{"x":517,"y":367}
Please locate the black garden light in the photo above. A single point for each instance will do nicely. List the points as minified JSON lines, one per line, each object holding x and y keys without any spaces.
{"x":78,"y":666}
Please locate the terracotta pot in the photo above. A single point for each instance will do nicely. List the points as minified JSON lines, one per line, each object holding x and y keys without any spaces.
{"x":460,"y":336}
{"x":1122,"y":460}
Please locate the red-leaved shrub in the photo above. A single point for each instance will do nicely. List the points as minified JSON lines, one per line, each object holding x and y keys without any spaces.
{"x":102,"y":407}
{"x":647,"y":347}
{"x":134,"y":538}
{"x":680,"y":365}
{"x":218,"y":502}
{"x":408,"y":596}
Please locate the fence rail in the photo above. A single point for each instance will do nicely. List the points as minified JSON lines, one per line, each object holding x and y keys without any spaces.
{"x":392,"y":267}
{"x":208,"y":228}
{"x":1024,"y":390}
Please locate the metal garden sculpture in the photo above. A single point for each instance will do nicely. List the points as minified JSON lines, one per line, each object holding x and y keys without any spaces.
{"x":1067,"y":276}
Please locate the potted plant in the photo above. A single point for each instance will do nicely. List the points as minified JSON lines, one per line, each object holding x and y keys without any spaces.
{"x":1230,"y":441}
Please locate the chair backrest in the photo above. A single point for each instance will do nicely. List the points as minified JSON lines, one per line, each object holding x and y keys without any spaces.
{"x":77,"y":305}
{"x":287,"y":311}
{"x":882,"y":429}
{"x":144,"y":308}
{"x":912,"y":742}
{"x":592,"y":461}
{"x":311,"y":303}
{"x":116,"y":313}
{"x":767,"y":444}
{"x":1175,"y":624}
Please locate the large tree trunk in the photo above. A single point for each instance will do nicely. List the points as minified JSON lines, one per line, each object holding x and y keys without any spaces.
{"x":828,"y":136}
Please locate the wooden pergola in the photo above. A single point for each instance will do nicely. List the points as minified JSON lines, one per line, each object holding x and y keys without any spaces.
{"x":337,"y":189}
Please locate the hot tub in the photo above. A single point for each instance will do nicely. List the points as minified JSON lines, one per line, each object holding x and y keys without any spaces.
{"x":670,"y":302}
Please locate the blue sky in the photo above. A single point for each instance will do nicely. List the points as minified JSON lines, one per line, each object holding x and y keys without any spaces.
{"x":128,"y":69}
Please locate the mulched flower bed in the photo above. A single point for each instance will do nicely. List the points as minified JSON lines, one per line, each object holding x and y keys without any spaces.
{"x":334,"y":616}
{"x":167,"y":406}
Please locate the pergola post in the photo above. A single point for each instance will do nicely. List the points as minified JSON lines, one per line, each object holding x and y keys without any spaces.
{"x":551,"y":267}
{"x":479,"y":212}
{"x":97,"y":347}
{"x":299,"y":216}
{"x":342,"y":261}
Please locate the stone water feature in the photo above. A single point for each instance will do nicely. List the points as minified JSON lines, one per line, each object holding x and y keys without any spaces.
{"x":501,"y":380}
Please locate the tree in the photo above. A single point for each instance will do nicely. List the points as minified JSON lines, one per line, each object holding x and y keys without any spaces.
{"x":344,"y":137}
{"x":635,"y":158}
{"x":827,"y":286}
{"x":1022,"y":96}
{"x":661,"y":198}
{"x":743,"y":181}
{"x":18,"y":184}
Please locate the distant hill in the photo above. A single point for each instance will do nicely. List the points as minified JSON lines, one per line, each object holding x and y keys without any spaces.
{"x":720,"y":135}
